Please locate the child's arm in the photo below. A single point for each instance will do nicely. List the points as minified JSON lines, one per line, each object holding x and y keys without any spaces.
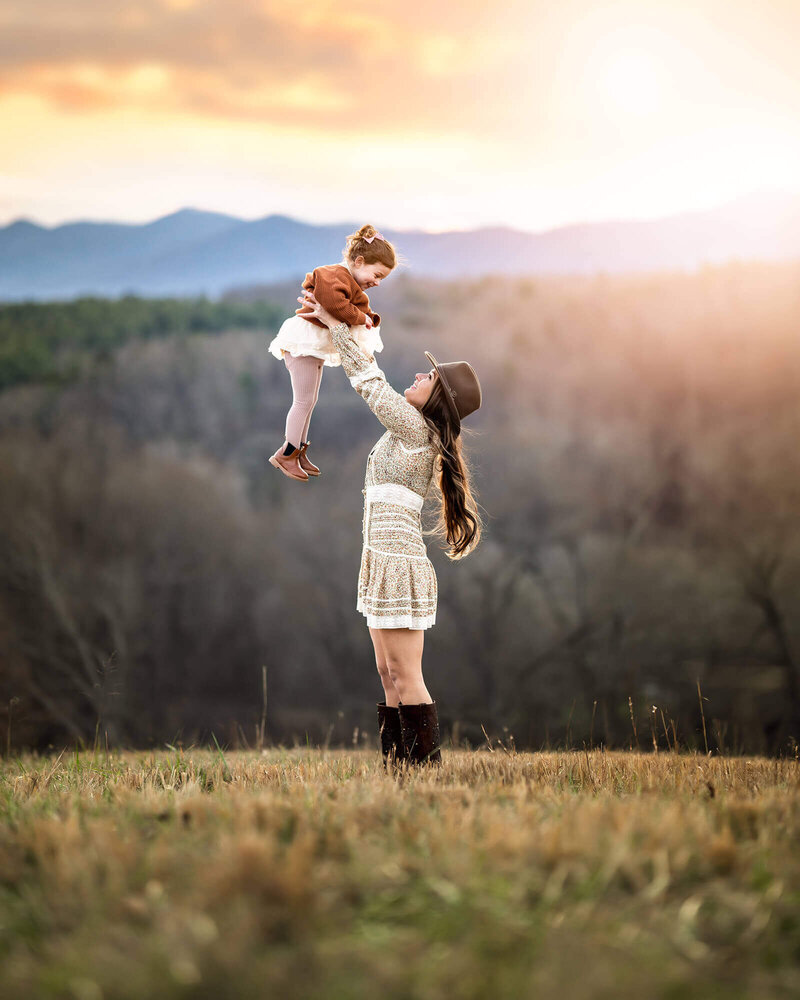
{"x":333,"y":293}
{"x":393,"y":410}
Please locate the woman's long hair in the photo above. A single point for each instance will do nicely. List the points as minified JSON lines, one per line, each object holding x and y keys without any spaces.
{"x":460,"y":521}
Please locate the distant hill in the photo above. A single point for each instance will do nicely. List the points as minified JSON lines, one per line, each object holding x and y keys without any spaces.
{"x":192,"y":252}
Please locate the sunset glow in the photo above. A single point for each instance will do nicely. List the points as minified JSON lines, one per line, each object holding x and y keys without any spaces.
{"x":417,"y":115}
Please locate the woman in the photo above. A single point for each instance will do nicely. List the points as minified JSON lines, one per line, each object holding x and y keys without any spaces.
{"x":397,"y":588}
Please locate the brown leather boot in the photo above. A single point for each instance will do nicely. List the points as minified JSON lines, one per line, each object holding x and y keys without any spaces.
{"x":289,"y":464}
{"x":392,"y":746}
{"x":419,"y":725}
{"x":305,"y":464}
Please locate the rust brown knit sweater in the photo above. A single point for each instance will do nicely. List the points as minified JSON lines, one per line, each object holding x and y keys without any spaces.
{"x":336,"y":289}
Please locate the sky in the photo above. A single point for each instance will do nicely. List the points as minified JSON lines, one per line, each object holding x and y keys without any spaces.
{"x":412,"y":114}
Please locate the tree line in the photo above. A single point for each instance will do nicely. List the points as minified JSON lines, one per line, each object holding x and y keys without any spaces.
{"x":55,"y":341}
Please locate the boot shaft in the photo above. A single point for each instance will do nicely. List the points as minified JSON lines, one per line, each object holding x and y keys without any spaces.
{"x":419,"y":725}
{"x":392,"y":746}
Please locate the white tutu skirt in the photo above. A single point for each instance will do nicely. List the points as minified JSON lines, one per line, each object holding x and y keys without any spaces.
{"x":303,"y":339}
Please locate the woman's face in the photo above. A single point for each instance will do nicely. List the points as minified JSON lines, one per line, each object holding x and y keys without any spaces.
{"x":418,"y":392}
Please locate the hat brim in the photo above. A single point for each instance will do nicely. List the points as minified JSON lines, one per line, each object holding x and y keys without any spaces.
{"x":448,"y":393}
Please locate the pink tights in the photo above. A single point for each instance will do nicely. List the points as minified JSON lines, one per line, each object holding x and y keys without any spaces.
{"x":306,"y":375}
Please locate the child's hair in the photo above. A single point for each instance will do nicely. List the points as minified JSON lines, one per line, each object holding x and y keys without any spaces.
{"x":379,"y":251}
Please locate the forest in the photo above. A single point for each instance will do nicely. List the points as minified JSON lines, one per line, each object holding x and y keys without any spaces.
{"x":636,"y":461}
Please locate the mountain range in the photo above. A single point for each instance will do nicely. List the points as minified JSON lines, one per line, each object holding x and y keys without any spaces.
{"x":194,"y":252}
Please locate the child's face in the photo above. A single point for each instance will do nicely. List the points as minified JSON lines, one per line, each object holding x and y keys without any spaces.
{"x":368,"y":275}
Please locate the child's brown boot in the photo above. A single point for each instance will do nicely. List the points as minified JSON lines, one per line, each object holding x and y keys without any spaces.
{"x":305,"y":464}
{"x":286,"y":458}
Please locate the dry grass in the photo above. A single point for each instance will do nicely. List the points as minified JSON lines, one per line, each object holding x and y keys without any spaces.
{"x":308,"y":873}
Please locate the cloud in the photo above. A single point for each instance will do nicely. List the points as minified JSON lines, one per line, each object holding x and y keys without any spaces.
{"x":316,"y":64}
{"x":515,"y":73}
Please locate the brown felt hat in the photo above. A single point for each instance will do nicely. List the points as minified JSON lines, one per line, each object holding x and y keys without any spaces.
{"x":462,"y":388}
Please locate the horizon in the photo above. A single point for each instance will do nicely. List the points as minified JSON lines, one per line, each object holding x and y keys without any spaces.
{"x":765,"y":192}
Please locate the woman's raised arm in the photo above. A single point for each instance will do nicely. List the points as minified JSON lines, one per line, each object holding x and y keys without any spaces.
{"x":393,"y":410}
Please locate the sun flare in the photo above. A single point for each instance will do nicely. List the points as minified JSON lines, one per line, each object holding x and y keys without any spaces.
{"x":632,"y":83}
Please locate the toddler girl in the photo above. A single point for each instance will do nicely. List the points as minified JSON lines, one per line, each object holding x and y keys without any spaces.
{"x":305,"y":344}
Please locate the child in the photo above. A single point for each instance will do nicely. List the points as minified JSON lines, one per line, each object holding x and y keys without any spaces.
{"x":305,"y":344}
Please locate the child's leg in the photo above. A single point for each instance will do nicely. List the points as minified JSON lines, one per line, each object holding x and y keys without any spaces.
{"x":305,"y":388}
{"x":316,"y":397}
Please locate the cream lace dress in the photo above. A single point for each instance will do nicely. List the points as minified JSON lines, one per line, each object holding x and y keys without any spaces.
{"x":397,"y":585}
{"x":303,"y":339}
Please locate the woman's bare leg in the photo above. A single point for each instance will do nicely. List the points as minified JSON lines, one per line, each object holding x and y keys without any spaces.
{"x":401,"y":655}
{"x":389,"y":690}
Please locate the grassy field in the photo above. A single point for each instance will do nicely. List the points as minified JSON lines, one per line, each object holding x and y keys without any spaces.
{"x":310,"y":873}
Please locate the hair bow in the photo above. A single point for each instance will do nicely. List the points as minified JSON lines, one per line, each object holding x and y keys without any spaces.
{"x":380,"y":236}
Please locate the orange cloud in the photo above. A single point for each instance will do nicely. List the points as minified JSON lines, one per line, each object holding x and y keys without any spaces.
{"x":365,"y":64}
{"x":368,"y":65}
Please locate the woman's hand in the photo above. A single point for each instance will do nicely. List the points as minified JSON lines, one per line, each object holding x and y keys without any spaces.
{"x":318,"y":311}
